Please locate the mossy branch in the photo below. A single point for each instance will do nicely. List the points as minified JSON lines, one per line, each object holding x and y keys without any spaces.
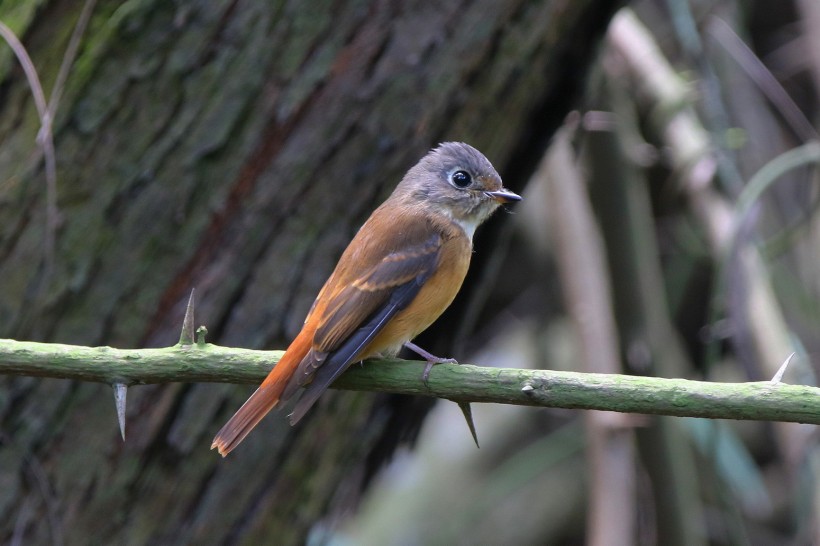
{"x":200,"y":362}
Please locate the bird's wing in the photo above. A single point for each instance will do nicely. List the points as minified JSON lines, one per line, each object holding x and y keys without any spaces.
{"x":375,"y":288}
{"x":354,"y":317}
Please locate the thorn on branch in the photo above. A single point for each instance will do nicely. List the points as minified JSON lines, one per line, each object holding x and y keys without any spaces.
{"x":778,"y":377}
{"x":120,"y":392}
{"x":186,"y":337}
{"x":468,"y":416}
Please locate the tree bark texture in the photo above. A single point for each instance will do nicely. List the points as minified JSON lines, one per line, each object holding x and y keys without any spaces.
{"x":234,"y":147}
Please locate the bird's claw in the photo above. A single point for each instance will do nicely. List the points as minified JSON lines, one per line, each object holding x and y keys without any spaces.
{"x":430,"y":363}
{"x":431,"y":360}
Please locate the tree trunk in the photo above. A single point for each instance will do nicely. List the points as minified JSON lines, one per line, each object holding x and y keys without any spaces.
{"x":234,"y":148}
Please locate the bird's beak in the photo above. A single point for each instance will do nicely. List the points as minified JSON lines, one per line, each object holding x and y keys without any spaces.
{"x":503,"y":195}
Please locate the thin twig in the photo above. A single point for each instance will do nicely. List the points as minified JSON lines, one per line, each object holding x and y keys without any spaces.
{"x":28,"y":67}
{"x":44,"y":140}
{"x":69,"y":56}
{"x":764,"y":79}
{"x":47,"y":113}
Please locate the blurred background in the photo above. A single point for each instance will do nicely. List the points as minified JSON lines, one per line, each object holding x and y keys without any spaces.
{"x":666,"y":152}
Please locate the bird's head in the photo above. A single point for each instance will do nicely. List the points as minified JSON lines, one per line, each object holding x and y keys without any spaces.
{"x":456,"y":180}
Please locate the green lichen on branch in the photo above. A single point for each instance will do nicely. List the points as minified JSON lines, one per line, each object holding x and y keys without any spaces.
{"x":765,"y":401}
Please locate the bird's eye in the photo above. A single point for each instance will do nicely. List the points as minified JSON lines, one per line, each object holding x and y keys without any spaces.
{"x":461,"y":179}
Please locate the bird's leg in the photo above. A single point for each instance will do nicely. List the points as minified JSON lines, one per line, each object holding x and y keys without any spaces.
{"x":430,"y":358}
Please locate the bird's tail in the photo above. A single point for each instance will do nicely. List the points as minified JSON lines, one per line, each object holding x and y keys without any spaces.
{"x":264,"y":399}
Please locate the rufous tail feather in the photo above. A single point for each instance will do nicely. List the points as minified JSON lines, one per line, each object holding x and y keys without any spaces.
{"x":264,"y":399}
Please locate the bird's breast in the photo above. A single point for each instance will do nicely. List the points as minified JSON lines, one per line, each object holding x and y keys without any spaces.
{"x":434,"y":297}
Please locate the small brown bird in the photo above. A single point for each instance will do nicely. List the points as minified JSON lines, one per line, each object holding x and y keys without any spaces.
{"x":399,"y":273}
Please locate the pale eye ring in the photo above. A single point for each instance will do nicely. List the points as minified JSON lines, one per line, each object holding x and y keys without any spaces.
{"x":461,"y":179}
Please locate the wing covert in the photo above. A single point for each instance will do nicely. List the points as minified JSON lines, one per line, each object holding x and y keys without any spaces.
{"x":357,"y":302}
{"x":358,"y":313}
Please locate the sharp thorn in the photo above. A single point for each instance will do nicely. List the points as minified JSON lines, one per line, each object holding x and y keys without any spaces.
{"x":778,"y":377}
{"x":186,"y":337}
{"x":120,"y":392}
{"x":468,"y":416}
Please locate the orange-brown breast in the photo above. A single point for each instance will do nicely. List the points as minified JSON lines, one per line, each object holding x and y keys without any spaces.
{"x":433,"y":298}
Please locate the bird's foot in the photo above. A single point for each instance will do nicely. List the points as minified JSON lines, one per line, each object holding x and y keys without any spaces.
{"x":433,"y":360}
{"x":430,"y":358}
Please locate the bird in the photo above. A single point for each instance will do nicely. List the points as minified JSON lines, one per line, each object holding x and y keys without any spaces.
{"x":399,"y":273}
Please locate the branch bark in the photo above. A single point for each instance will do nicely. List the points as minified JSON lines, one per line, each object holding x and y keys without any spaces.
{"x":762,"y":400}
